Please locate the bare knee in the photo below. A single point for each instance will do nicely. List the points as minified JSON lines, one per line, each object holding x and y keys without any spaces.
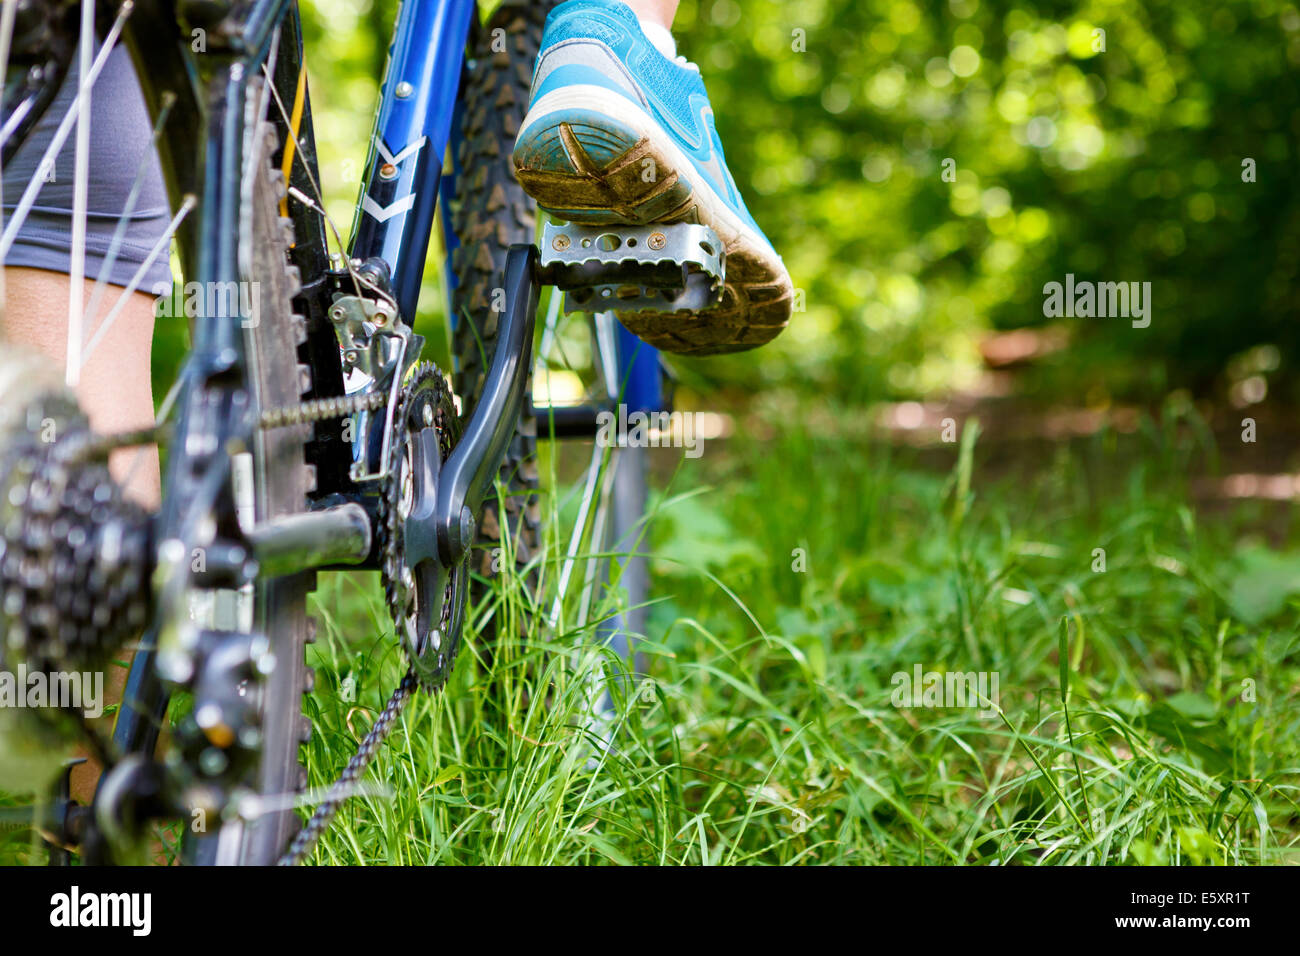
{"x":114,"y":386}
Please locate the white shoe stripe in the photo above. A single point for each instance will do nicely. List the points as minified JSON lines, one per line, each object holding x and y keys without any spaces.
{"x":714,"y":210}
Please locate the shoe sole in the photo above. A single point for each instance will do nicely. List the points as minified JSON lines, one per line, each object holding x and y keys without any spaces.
{"x":585,"y":159}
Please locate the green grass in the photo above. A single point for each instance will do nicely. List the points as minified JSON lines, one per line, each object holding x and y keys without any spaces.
{"x":1146,"y":713}
{"x":763,"y":731}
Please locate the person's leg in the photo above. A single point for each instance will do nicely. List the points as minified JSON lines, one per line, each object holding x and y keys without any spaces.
{"x":115,"y":391}
{"x":115,"y":387}
{"x":656,"y":11}
{"x":656,"y":17}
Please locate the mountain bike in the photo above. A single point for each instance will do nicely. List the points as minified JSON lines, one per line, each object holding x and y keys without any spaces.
{"x":304,"y":433}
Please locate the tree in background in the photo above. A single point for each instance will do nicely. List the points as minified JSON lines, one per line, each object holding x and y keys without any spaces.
{"x":926,"y":168}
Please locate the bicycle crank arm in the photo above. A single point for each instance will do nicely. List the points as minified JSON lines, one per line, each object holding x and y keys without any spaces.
{"x":464,"y":479}
{"x":657,"y":268}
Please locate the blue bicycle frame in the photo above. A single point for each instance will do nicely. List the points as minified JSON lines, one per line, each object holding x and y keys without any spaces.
{"x":418,"y":118}
{"x":417,"y":106}
{"x":416,"y":121}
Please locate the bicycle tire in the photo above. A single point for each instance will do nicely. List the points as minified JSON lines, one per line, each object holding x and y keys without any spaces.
{"x":282,"y":481}
{"x":490,"y":213}
{"x":282,"y":605}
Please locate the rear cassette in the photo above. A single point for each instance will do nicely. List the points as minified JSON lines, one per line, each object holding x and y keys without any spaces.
{"x":74,"y":554}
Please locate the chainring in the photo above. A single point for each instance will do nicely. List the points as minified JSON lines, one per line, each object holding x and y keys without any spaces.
{"x":427,"y":601}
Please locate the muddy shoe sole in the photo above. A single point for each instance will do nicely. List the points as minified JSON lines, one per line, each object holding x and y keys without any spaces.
{"x":587,"y":155}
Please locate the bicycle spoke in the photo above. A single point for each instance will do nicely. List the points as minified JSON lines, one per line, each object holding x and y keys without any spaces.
{"x":607,"y":353}
{"x":311,"y":178}
{"x":163,"y":242}
{"x":85,"y":82}
{"x":119,"y":234}
{"x":15,"y":120}
{"x":260,"y":805}
{"x":7,"y":15}
{"x":250,"y":129}
{"x":164,"y":410}
{"x":596,"y":545}
{"x":589,"y":498}
{"x":80,"y":199}
{"x":549,"y":329}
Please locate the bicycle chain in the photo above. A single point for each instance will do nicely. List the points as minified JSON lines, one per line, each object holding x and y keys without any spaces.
{"x":322,"y":409}
{"x":398,"y":593}
{"x":341,"y":789}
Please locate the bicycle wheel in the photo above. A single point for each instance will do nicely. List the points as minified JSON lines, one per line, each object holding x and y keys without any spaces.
{"x":281,"y":481}
{"x":271,"y":478}
{"x":491,"y":212}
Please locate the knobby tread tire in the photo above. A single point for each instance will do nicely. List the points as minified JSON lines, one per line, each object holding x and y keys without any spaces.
{"x":282,"y":481}
{"x":490,"y":213}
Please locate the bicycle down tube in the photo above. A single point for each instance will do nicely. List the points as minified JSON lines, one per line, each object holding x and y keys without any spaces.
{"x":399,"y":192}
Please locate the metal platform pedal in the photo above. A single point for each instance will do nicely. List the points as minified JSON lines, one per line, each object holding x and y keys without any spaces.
{"x":657,"y":268}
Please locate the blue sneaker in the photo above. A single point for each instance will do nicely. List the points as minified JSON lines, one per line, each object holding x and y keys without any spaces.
{"x":618,"y":133}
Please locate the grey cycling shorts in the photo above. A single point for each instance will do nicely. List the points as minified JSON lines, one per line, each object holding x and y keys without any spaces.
{"x":120,"y":141}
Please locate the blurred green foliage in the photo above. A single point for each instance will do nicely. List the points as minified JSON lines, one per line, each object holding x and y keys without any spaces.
{"x":1114,"y":155}
{"x":1117,"y":165}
